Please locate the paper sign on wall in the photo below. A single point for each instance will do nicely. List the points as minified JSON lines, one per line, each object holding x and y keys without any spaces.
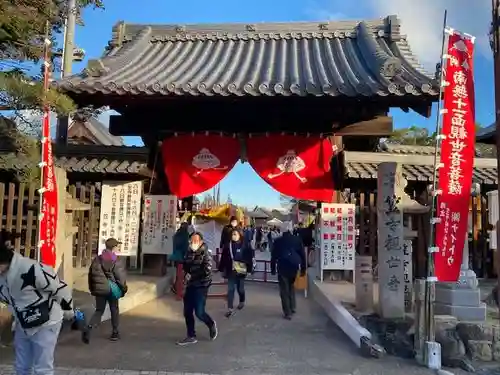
{"x":120,"y":215}
{"x":159,"y":224}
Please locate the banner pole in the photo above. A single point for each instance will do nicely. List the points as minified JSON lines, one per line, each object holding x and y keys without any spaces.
{"x":432,"y":357}
{"x":45,"y":137}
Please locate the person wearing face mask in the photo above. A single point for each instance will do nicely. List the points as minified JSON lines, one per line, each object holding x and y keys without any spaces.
{"x":39,"y":301}
{"x":197,"y":268}
{"x":226,"y":231}
{"x":236,"y":262}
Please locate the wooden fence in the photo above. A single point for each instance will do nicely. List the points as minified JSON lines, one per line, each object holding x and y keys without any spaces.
{"x":17,"y":217}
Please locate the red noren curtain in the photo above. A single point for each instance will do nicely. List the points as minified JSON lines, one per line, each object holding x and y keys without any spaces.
{"x":294,"y":165}
{"x":196,"y":163}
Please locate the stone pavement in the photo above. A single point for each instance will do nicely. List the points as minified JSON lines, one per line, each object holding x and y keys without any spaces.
{"x":254,"y":341}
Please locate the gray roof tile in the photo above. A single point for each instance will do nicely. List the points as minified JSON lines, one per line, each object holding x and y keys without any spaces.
{"x":348,"y":58}
{"x":483,"y":150}
{"x":424,"y":173}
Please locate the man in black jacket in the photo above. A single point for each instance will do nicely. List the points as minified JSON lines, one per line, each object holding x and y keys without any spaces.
{"x":198,"y":278}
{"x":105,"y":271}
{"x":288,"y":255}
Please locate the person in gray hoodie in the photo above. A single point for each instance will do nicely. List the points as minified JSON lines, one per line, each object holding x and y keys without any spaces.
{"x":39,"y":301}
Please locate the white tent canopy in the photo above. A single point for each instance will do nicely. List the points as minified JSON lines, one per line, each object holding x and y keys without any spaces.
{"x":274,"y":221}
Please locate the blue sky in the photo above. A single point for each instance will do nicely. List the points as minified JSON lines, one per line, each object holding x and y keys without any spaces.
{"x":422,"y":23}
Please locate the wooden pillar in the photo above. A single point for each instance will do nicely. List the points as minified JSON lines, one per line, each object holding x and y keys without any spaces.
{"x":155,"y":264}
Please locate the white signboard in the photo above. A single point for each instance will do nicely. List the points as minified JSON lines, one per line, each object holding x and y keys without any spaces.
{"x":120,"y":215}
{"x":159,"y":224}
{"x":338,"y":236}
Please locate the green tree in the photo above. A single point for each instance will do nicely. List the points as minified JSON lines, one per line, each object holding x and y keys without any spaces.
{"x":416,"y":136}
{"x":413,"y":135}
{"x":23,"y":28}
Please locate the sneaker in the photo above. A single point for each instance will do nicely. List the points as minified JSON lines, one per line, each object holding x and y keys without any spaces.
{"x":214,"y":332}
{"x":115,"y":336}
{"x":229,"y":313}
{"x":187,"y":341}
{"x":287,"y":317}
{"x":86,"y":335}
{"x":241,"y":305}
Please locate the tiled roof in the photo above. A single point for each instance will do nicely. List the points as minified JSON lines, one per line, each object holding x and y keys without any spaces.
{"x":483,"y":150}
{"x":101,"y":159}
{"x":347,"y":58}
{"x":100,"y":132}
{"x":417,"y":162}
{"x":90,"y":159}
{"x":98,"y":165}
{"x":424,"y":173}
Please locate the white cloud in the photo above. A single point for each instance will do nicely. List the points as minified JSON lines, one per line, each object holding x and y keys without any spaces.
{"x":422,"y":22}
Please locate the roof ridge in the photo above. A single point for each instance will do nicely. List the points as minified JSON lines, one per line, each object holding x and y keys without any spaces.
{"x":124,"y":32}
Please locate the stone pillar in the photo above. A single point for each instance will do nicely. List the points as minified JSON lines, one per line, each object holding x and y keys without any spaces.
{"x":463,"y":298}
{"x":390,"y":242}
{"x":364,"y":283}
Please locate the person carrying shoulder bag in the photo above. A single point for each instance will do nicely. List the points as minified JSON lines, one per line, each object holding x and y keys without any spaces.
{"x":39,"y":301}
{"x":107,"y":283}
{"x":236,"y":262}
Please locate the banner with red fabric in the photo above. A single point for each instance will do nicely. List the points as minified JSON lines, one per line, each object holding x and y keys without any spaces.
{"x":457,"y":157}
{"x":196,"y":163}
{"x":49,"y":204}
{"x":295,"y":166}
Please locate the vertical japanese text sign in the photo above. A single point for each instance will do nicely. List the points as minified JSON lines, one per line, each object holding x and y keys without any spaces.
{"x":457,"y":157}
{"x":159,"y":222}
{"x":338,"y":236}
{"x":49,"y":206}
{"x":120,"y":215}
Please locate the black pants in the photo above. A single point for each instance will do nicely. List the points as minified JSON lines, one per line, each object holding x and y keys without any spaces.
{"x":235,"y":283}
{"x":195,"y":300}
{"x":100,"y":307}
{"x":287,"y":293}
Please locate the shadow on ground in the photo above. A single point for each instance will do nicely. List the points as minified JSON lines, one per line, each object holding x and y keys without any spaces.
{"x":255,"y":340}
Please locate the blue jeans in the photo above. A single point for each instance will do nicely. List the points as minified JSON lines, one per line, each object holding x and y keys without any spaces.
{"x":235,"y":284}
{"x":195,"y":300}
{"x":35,"y":354}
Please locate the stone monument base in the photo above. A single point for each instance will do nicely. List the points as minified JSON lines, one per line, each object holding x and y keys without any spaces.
{"x":462,"y":302}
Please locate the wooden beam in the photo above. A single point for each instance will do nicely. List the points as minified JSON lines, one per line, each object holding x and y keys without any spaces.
{"x":423,"y":110}
{"x":380,"y":126}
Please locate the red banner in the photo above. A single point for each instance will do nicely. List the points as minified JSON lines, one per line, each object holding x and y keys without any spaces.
{"x":293,"y":165}
{"x":196,"y":163}
{"x":457,"y":156}
{"x":49,"y":206}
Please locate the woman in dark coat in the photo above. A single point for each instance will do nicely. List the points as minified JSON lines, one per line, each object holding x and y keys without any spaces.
{"x":235,"y":263}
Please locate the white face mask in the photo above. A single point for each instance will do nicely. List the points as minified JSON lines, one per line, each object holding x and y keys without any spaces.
{"x":195,"y":246}
{"x":234,"y":223}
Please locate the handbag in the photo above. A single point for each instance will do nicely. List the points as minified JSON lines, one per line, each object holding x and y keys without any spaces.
{"x":240,"y":268}
{"x":32,"y":316}
{"x":115,"y":290}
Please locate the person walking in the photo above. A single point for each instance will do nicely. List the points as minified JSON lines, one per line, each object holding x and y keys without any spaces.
{"x":39,"y":301}
{"x":236,"y":262}
{"x":226,"y":231}
{"x":107,"y":283}
{"x":288,"y":257}
{"x":197,"y":268}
